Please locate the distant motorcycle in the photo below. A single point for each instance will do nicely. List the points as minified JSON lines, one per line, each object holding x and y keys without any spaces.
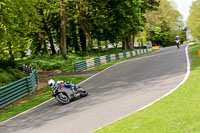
{"x":65,"y":94}
{"x":178,"y":42}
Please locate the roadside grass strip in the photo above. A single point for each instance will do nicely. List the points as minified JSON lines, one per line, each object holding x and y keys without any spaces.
{"x":178,"y":112}
{"x":30,"y":103}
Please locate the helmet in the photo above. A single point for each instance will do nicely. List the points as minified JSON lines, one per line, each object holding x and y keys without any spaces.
{"x":67,"y":82}
{"x":176,"y":36}
{"x":51,"y":82}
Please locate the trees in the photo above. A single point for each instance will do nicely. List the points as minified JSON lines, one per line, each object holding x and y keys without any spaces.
{"x":17,"y":17}
{"x":164,"y":24}
{"x":194,"y":20}
{"x":63,"y":28}
{"x":71,"y":25}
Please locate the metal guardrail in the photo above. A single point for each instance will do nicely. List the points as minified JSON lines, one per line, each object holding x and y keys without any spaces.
{"x":20,"y":88}
{"x":93,"y":62}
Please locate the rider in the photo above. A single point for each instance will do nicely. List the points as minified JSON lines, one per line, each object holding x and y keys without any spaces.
{"x":56,"y":84}
{"x":177,"y":39}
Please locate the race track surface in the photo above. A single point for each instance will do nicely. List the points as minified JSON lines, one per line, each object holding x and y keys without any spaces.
{"x":113,"y":94}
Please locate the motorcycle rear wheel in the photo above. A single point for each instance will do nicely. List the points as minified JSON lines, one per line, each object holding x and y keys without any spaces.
{"x":62,"y":98}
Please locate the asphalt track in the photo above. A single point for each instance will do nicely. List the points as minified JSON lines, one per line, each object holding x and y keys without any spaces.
{"x":113,"y":94}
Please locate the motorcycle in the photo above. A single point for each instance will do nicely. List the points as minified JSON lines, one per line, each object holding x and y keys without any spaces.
{"x":178,"y":42}
{"x":65,"y":94}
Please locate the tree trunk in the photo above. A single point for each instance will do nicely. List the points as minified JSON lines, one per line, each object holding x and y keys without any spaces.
{"x":42,"y":34}
{"x":48,"y":31}
{"x":74,"y":36}
{"x":132,"y":41}
{"x":88,"y":41}
{"x":51,"y":43}
{"x":82,"y":39}
{"x":63,"y":29}
{"x":125,"y":45}
{"x":83,"y":23}
{"x":42,"y":42}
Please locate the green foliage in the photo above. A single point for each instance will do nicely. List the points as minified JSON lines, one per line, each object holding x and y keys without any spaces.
{"x":9,"y":75}
{"x":28,"y":24}
{"x":10,"y":72}
{"x":194,"y":20}
{"x":17,"y":17}
{"x":164,"y":25}
{"x":56,"y":62}
{"x":117,"y":20}
{"x":5,"y":78}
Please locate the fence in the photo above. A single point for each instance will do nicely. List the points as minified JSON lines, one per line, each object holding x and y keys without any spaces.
{"x":19,"y":88}
{"x":93,"y":62}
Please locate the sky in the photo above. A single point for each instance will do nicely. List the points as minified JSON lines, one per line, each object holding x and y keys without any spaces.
{"x":183,"y":6}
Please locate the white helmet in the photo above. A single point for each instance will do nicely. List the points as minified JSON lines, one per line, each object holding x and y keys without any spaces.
{"x":177,"y":36}
{"x":51,"y":82}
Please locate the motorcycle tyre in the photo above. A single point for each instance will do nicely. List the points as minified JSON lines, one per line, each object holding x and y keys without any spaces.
{"x":178,"y":46}
{"x":60,"y":99}
{"x":83,"y":93}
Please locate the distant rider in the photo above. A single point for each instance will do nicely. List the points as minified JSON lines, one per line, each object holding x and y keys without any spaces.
{"x":177,"y":40}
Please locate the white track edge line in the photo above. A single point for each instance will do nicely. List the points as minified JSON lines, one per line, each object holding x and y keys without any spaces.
{"x":182,"y":82}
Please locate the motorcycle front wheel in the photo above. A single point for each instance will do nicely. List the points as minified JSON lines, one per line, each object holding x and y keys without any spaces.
{"x":62,"y":98}
{"x":83,"y":93}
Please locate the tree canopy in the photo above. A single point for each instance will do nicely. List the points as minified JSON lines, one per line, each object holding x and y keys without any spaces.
{"x":194,"y":20}
{"x":164,"y":24}
{"x":58,"y":27}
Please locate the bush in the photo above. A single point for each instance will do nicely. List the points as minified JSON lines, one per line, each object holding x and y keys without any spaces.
{"x":6,"y":78}
{"x":16,"y":73}
{"x":10,"y":75}
{"x":56,"y":62}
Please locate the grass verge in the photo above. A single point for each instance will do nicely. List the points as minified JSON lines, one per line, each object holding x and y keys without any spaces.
{"x":36,"y":99}
{"x":176,"y":113}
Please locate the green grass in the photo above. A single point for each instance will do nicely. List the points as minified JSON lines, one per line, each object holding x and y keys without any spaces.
{"x":38,"y":99}
{"x":179,"y":112}
{"x":189,"y":41}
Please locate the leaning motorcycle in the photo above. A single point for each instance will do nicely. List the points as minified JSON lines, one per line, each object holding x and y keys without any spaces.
{"x":65,"y":94}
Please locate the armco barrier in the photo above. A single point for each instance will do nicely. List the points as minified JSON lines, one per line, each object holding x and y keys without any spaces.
{"x":93,"y":62}
{"x":19,"y":88}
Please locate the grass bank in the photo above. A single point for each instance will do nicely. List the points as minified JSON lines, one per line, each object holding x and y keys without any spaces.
{"x":176,"y":113}
{"x":39,"y":96}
